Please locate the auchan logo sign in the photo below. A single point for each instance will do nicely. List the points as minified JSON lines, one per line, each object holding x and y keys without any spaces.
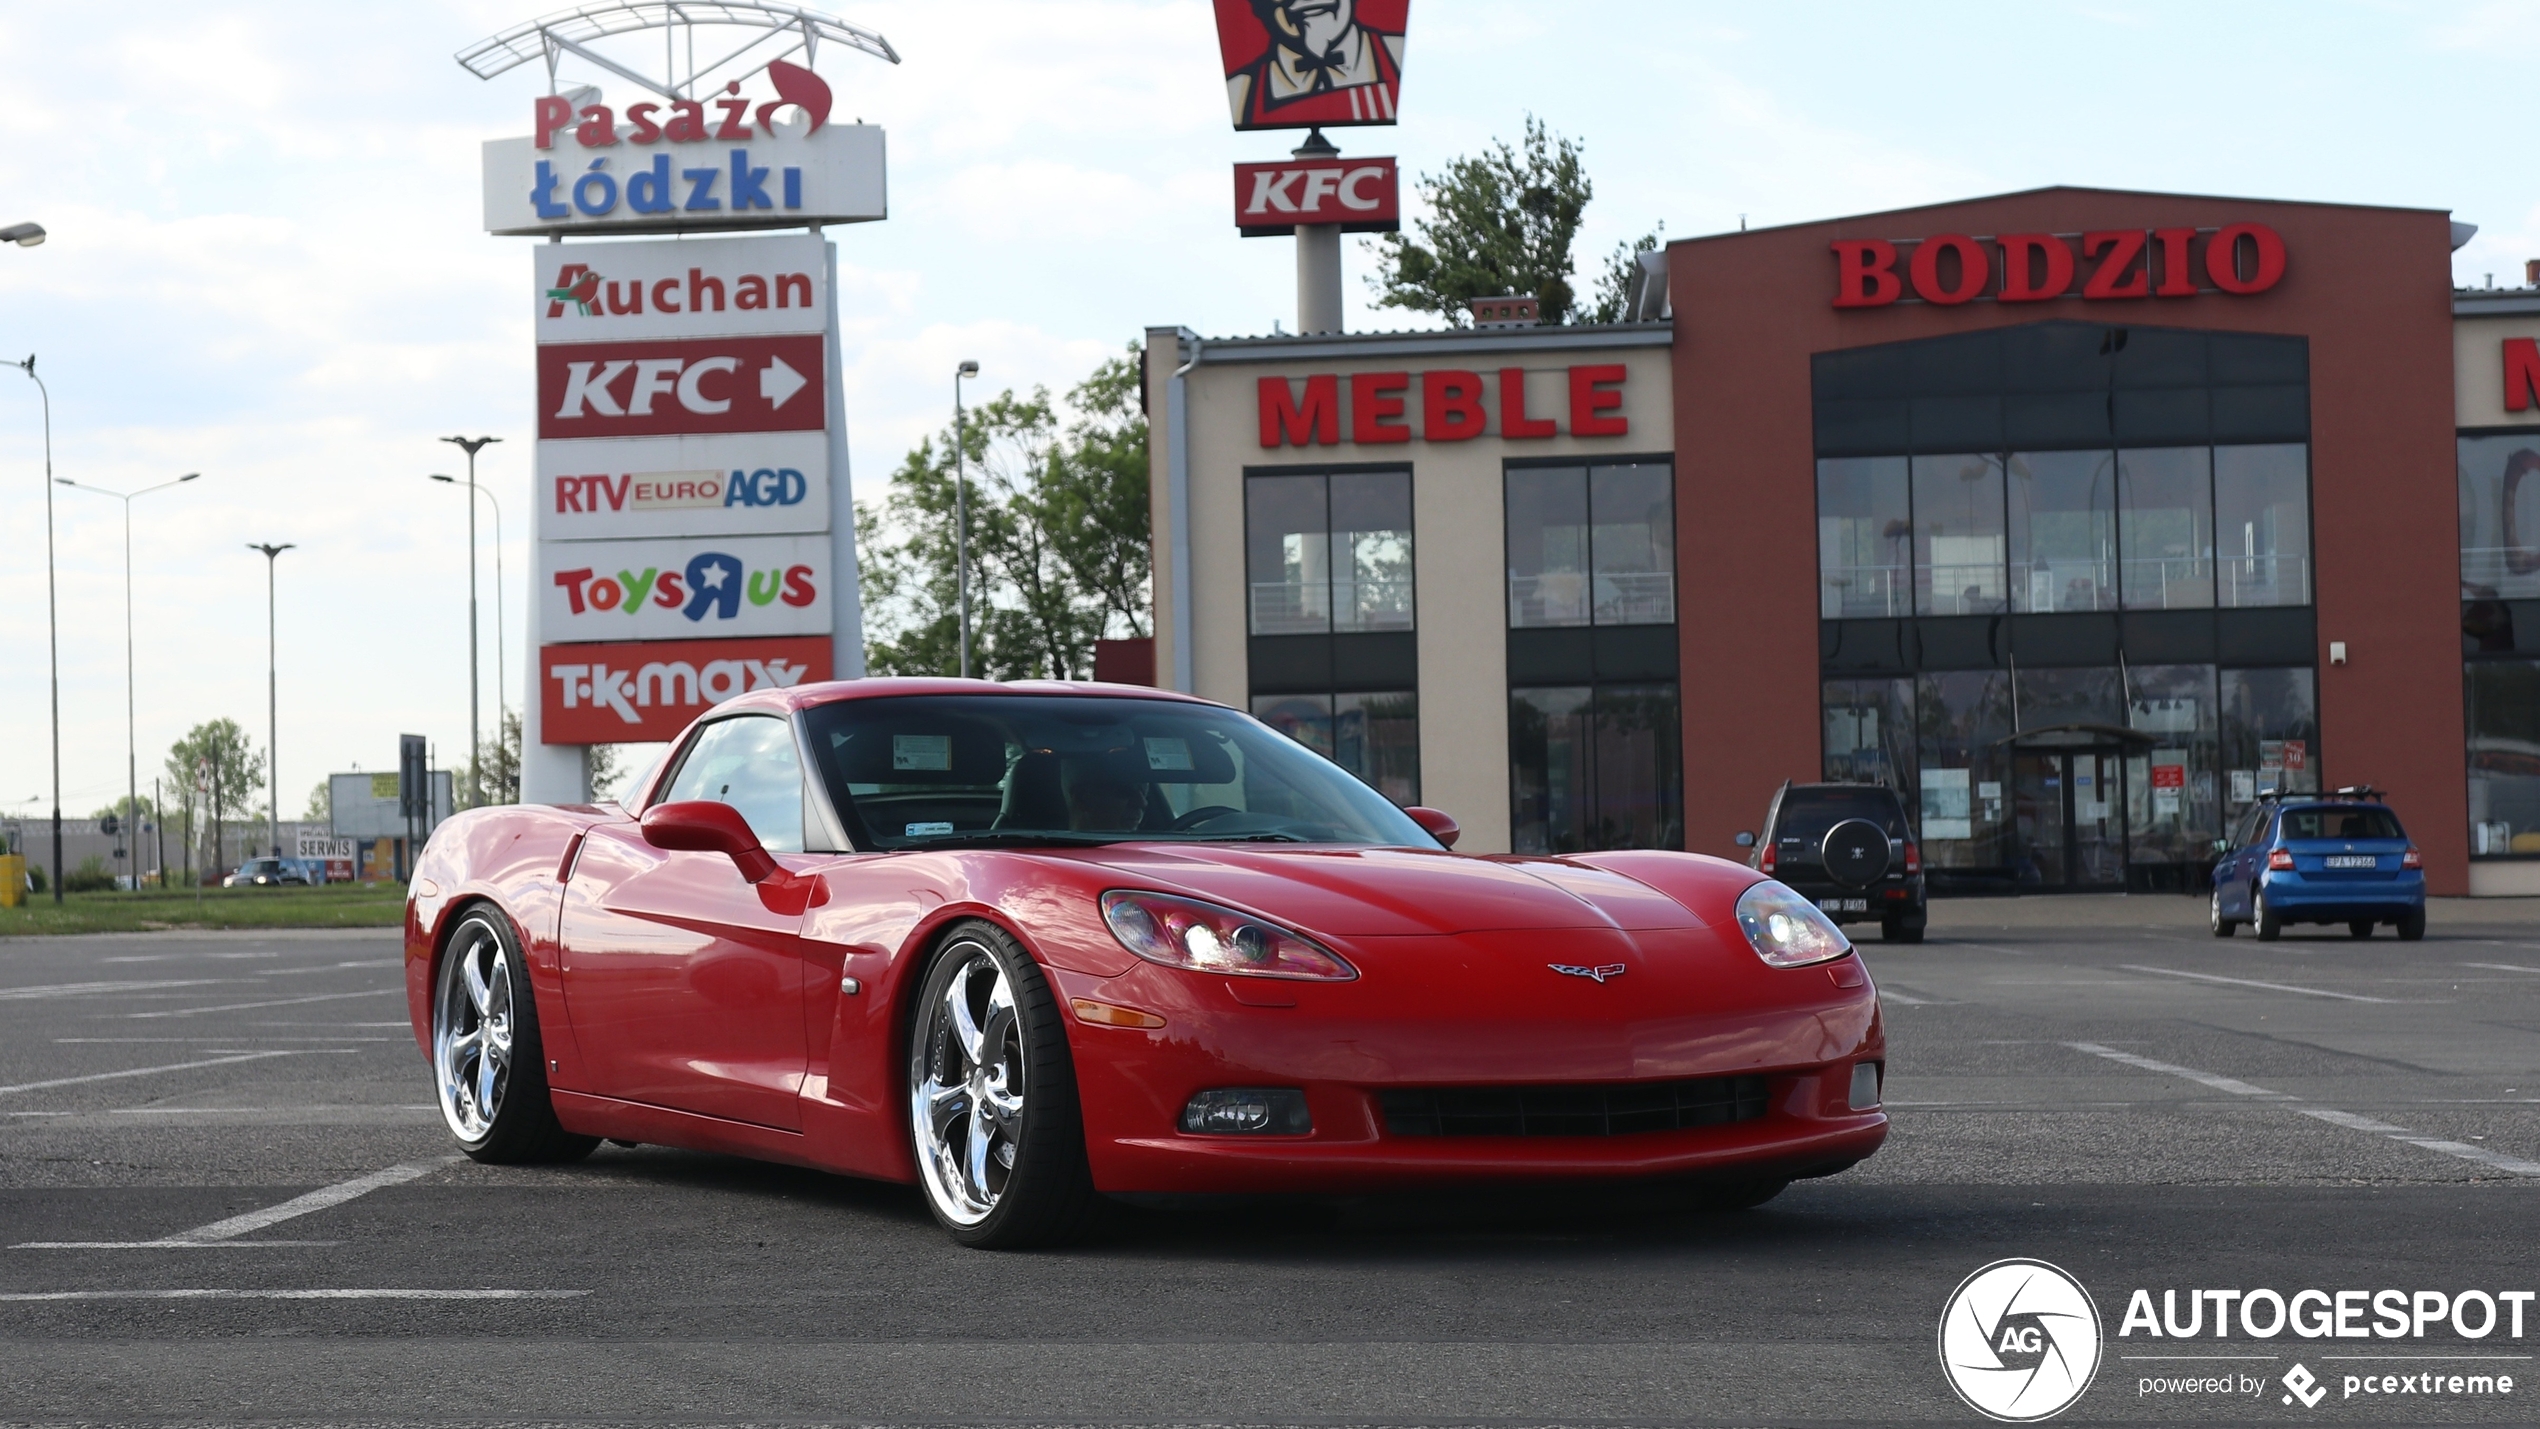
{"x":1946,"y":269}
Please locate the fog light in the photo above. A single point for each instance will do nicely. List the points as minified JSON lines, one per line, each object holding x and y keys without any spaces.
{"x":1242,"y":1111}
{"x":1865,"y":1085}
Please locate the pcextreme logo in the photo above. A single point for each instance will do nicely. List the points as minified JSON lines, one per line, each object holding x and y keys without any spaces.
{"x":2020,"y":1341}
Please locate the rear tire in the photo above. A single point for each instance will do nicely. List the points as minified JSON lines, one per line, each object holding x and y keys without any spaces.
{"x":489,"y":1064}
{"x":2223,"y":927}
{"x":2412,"y":925}
{"x":998,"y":1132}
{"x":2359,"y":928}
{"x":1897,"y":930}
{"x":2263,"y":917}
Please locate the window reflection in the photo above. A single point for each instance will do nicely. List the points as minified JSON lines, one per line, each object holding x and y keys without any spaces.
{"x":1591,"y":545}
{"x":2063,"y":518}
{"x":1374,"y":736}
{"x":2262,"y":525}
{"x":1596,"y":768}
{"x":2503,"y":699}
{"x":2167,"y":494}
{"x":1865,"y":536}
{"x":2500,"y":516}
{"x":1328,"y":552}
{"x":1958,"y":536}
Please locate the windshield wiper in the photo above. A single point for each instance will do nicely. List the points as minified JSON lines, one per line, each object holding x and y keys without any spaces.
{"x":1009,"y":838}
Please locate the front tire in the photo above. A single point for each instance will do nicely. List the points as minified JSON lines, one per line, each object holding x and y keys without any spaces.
{"x":2263,"y":917}
{"x":999,"y":1139}
{"x":489,"y":1064}
{"x":2223,"y":927}
{"x":2359,"y":928}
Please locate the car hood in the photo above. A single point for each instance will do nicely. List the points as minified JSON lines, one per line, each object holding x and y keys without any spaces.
{"x":1393,"y":892}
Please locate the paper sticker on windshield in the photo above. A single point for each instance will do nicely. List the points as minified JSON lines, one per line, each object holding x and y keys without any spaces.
{"x":921,"y":830}
{"x":921,"y":751}
{"x":1169,"y":754}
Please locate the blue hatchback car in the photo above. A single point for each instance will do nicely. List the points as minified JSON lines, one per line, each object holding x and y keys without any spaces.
{"x":2335,"y":858}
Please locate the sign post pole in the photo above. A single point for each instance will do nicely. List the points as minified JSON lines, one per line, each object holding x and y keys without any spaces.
{"x":1318,"y":256}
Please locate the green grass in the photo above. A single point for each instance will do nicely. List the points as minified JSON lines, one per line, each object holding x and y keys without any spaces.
{"x":338,"y":905}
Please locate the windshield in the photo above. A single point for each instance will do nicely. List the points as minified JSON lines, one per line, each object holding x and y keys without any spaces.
{"x":948,"y":770}
{"x":1808,"y":813}
{"x":2340,"y":823}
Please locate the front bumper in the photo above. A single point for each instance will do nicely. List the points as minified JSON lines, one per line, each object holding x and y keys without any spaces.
{"x":1804,"y":1042}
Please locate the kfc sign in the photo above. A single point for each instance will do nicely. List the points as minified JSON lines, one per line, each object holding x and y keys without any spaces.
{"x":732,"y":384}
{"x":1454,"y":406}
{"x":1294,"y":64}
{"x":635,"y":693}
{"x":1952,"y":268}
{"x":1361,"y":195}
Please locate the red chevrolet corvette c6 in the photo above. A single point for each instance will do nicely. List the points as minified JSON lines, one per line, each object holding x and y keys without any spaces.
{"x":1030,"y":944}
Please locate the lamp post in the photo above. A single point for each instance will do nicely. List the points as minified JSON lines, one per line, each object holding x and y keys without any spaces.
{"x":502,"y":700}
{"x":52,"y":602}
{"x":273,"y":701}
{"x":131,"y":740}
{"x":475,"y":739}
{"x":961,"y":512}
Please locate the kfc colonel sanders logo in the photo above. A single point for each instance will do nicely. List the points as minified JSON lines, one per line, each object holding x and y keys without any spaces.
{"x":1291,"y":64}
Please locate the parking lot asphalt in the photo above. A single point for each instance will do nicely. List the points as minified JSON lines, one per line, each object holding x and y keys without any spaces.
{"x":2094,"y":1082}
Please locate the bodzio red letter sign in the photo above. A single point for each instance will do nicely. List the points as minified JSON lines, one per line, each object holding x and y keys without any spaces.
{"x":1306,"y":412}
{"x":2239,"y":259}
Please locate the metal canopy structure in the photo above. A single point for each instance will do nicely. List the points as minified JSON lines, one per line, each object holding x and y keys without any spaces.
{"x":551,"y":37}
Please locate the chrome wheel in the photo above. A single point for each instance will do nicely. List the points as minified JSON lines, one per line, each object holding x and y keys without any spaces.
{"x":472,"y":1031}
{"x":966,"y":1085}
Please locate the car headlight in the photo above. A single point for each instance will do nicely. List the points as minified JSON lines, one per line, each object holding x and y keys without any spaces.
{"x":1785,"y":929}
{"x":1202,"y":937}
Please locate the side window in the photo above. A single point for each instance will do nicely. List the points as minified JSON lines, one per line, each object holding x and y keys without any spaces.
{"x":749,"y":763}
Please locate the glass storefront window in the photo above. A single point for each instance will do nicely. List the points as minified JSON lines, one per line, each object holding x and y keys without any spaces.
{"x":2500,"y":516}
{"x":2262,"y":525}
{"x":1632,"y":545}
{"x":1869,"y":733}
{"x":1328,"y":552}
{"x":1961,"y":718}
{"x":2503,"y":699}
{"x":2166,"y":527}
{"x":1958,"y":536}
{"x":2063,"y":520}
{"x":1547,"y":546}
{"x":1596,"y":768}
{"x":1374,"y":736}
{"x":1865,"y":533}
{"x":2174,"y":809}
{"x":2270,"y":734}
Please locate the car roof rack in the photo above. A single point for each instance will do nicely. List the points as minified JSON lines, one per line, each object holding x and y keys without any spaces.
{"x":2360,"y":792}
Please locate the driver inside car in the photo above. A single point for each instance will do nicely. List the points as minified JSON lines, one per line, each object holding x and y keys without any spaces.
{"x":1098,"y":799}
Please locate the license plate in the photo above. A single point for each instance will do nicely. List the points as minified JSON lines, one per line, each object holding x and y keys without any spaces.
{"x":2351,"y":860}
{"x":1844,"y":905}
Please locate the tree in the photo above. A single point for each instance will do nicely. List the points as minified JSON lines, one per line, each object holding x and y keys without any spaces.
{"x":494,"y":777}
{"x":232,"y":767}
{"x":321,"y":808}
{"x":1058,"y":536}
{"x":1614,"y":285}
{"x":1500,"y":223}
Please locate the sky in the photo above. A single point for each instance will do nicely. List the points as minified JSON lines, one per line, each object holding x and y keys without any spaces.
{"x":266,"y":263}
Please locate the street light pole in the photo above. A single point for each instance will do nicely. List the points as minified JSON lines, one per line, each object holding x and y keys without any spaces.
{"x":475,"y":737}
{"x":961,"y":511}
{"x":52,"y":618}
{"x":273,"y":699}
{"x":502,"y":700}
{"x":131,"y":738}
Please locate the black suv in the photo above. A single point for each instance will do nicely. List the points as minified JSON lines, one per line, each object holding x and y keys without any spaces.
{"x":1848,"y":849}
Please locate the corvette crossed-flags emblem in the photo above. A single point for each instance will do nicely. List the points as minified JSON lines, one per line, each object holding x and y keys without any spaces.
{"x":1599,"y":973}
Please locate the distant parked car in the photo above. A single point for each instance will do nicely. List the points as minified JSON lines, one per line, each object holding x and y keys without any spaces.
{"x":2337,"y":858}
{"x":1848,"y":849}
{"x":267,"y":873}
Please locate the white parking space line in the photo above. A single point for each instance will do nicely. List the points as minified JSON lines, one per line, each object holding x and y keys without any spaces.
{"x":295,"y":1295}
{"x":171,"y":1244}
{"x":236,"y":1226}
{"x":2200,"y":977}
{"x":2218,"y":1083}
{"x":100,"y":989}
{"x":148,"y":1071}
{"x":1908,"y":999}
{"x":291,"y":1002}
{"x":2514,"y":1165}
{"x":222,"y":1041}
{"x":2501,"y":967}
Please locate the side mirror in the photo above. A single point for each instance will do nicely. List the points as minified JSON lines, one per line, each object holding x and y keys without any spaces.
{"x":2222,"y":845}
{"x":1745,"y":838}
{"x":705,"y":826}
{"x":1440,"y":824}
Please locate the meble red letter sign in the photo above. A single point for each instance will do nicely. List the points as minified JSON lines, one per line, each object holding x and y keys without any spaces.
{"x":1308,"y":411}
{"x":1360,"y":195}
{"x":2522,"y":373}
{"x":645,"y":389}
{"x":2240,"y":259}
